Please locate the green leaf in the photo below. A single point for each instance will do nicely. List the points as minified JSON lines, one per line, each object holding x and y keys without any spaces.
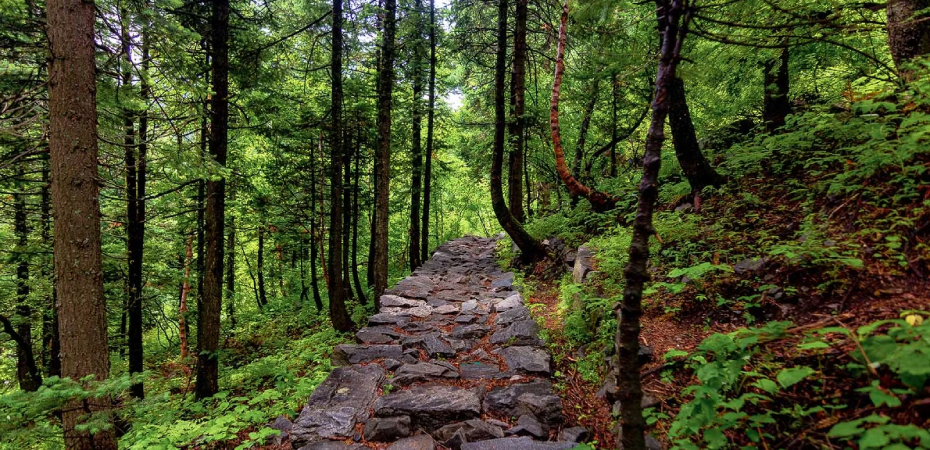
{"x":766,"y":385}
{"x":792,"y":376}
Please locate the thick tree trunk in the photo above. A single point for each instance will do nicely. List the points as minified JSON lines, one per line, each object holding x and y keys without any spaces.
{"x":72,"y":104}
{"x":27,"y":371}
{"x":530,"y":249}
{"x":627,"y":341}
{"x":208,"y":317}
{"x":697,"y":169}
{"x":600,"y":201}
{"x":231,"y":272}
{"x":416,"y":156}
{"x":430,"y":112}
{"x":517,"y":106}
{"x":337,"y":306}
{"x":776,"y":106}
{"x":908,"y":33}
{"x":383,"y":153}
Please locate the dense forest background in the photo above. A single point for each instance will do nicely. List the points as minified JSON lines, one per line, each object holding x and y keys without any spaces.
{"x":258,"y":173}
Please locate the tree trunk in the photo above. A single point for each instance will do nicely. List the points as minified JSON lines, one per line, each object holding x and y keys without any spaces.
{"x":600,"y":201}
{"x":72,"y":104}
{"x":347,"y":216}
{"x":583,"y":129}
{"x":208,"y":318}
{"x":776,"y":105}
{"x":530,"y":249}
{"x":627,"y":341}
{"x":692,"y":161}
{"x":50,"y":328}
{"x":430,"y":112}
{"x":416,"y":156}
{"x":337,"y":306}
{"x":383,"y":153}
{"x":908,"y":32}
{"x":314,"y":281}
{"x":517,"y":105}
{"x":355,"y":216}
{"x":185,"y":293}
{"x":231,"y":272}
{"x":614,"y":99}
{"x":260,"y":268}
{"x":27,"y":371}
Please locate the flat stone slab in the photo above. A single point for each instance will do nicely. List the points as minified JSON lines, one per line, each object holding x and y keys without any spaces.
{"x":398,"y":301}
{"x":527,"y":359}
{"x":345,"y":354}
{"x":478,"y":370}
{"x":422,"y":371}
{"x":521,"y":332}
{"x":520,"y":443}
{"x":431,"y":406}
{"x":341,"y":401}
{"x":535,"y":397}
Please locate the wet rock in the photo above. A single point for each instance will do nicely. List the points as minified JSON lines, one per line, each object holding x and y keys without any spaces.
{"x":470,"y":331}
{"x":527,"y":359}
{"x":337,"y":404}
{"x":527,"y":425}
{"x":345,"y":354}
{"x":517,"y":443}
{"x":387,"y":429}
{"x":584,"y":263}
{"x":431,"y":407}
{"x":574,"y":434}
{"x":418,"y":442}
{"x":535,"y":397}
{"x":521,"y":332}
{"x":397,"y":301}
{"x":423,"y":371}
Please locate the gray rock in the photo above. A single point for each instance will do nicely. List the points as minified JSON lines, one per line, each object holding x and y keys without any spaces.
{"x":511,"y":302}
{"x":470,"y":331}
{"x":434,"y":346}
{"x":574,"y":434}
{"x":476,"y":370}
{"x":465,"y":318}
{"x":397,"y":301}
{"x":521,"y":332}
{"x":447,"y":309}
{"x":584,"y":263}
{"x":512,"y":315}
{"x":387,"y":429}
{"x":391,"y":364}
{"x":282,"y":424}
{"x":527,"y":359}
{"x":376,"y":335}
{"x":338,"y":404}
{"x":517,"y":443}
{"x":683,"y":207}
{"x":750,"y":264}
{"x":431,"y":407}
{"x":502,"y":281}
{"x":534,"y":398}
{"x":527,"y":425}
{"x":345,"y":354}
{"x":416,"y":287}
{"x":387,"y":319}
{"x":468,"y":431}
{"x":470,"y":305}
{"x":331,"y":445}
{"x":423,"y":371}
{"x":418,"y":442}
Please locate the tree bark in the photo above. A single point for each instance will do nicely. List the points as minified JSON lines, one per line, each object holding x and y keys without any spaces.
{"x":314,"y":281}
{"x":908,"y":33}
{"x":185,"y":293}
{"x":231,"y":272}
{"x":383,"y":154}
{"x":355,"y":216}
{"x":583,"y":129}
{"x":72,"y":104}
{"x":600,"y":201}
{"x":260,"y":268}
{"x":416,"y":155}
{"x":697,"y":169}
{"x":208,"y":318}
{"x":517,"y":106}
{"x":50,"y":330}
{"x":628,"y":328}
{"x":337,"y":306}
{"x":530,"y":249}
{"x":430,"y":112}
{"x":776,"y":106}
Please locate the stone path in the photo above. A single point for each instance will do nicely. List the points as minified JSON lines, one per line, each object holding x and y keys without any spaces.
{"x":452,"y":360}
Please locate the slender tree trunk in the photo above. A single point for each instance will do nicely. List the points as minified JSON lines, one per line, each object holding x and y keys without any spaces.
{"x":27,"y":371}
{"x":72,"y":104}
{"x":430,"y":112}
{"x":583,"y":129}
{"x":614,"y":99}
{"x":208,"y":318}
{"x":231,"y":272}
{"x":627,"y":341}
{"x":776,"y":106}
{"x":314,"y":281}
{"x":530,"y":249}
{"x":599,"y":201}
{"x":355,"y":217}
{"x":908,"y":32}
{"x":185,"y":293}
{"x":517,"y":106}
{"x":337,"y":306}
{"x":383,"y":154}
{"x":260,"y":268}
{"x":416,"y":156}
{"x":347,"y":215}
